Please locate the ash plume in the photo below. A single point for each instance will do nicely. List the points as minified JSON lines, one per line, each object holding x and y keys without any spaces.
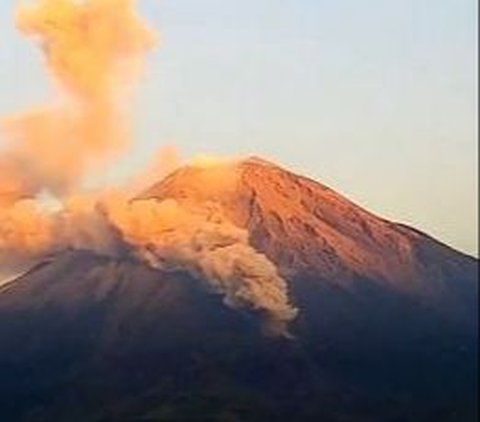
{"x":29,"y":231}
{"x":162,"y":234}
{"x":94,"y":51}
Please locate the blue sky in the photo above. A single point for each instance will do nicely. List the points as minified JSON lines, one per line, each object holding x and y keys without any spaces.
{"x":375,"y":98}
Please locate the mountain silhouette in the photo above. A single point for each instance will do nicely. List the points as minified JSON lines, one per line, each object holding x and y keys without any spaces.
{"x":386,"y":327}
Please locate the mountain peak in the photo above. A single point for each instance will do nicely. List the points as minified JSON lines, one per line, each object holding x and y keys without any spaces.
{"x":373,"y":297}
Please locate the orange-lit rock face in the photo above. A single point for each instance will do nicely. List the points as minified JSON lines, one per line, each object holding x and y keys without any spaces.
{"x":306,"y":227}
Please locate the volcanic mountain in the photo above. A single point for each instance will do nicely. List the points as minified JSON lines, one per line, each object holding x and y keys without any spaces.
{"x":385,"y":328}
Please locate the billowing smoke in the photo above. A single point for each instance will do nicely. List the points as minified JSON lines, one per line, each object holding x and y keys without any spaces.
{"x":163,"y":234}
{"x":202,"y":242}
{"x":94,"y":50}
{"x":30,"y":230}
{"x":26,"y":233}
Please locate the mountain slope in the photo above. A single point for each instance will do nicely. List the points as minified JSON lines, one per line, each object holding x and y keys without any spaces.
{"x":310,"y":230}
{"x":386,"y":329}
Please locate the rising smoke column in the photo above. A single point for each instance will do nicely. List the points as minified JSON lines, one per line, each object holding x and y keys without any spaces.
{"x":94,"y":50}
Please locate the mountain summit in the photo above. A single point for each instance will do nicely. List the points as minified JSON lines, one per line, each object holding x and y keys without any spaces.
{"x":384,"y":326}
{"x":309,"y":229}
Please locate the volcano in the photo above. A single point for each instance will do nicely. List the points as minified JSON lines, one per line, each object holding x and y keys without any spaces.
{"x":385,"y":328}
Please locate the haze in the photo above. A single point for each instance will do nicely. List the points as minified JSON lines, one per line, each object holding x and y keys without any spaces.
{"x":376,"y":99}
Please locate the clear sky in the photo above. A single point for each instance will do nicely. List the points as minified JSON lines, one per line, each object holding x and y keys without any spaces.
{"x":375,"y":98}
